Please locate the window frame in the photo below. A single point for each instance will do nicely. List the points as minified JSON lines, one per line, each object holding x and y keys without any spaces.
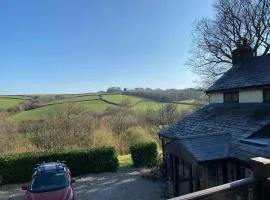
{"x":231,"y":97}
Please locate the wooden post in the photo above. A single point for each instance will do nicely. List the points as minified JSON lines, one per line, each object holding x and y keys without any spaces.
{"x":261,"y":171}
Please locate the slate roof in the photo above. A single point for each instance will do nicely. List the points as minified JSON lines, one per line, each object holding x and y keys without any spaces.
{"x":217,"y":131}
{"x":255,"y":73}
{"x":214,"y":147}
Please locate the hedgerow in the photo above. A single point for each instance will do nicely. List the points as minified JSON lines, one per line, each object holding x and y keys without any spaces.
{"x":144,"y":154}
{"x":19,"y":167}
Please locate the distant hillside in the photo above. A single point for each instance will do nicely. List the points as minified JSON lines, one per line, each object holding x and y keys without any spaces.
{"x":39,"y":106}
{"x":7,"y":102}
{"x":166,"y":96}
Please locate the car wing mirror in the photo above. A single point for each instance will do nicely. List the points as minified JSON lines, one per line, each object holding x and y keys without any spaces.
{"x":25,"y":187}
{"x":73,"y":180}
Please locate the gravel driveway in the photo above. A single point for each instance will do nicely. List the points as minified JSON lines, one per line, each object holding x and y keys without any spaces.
{"x":124,"y":184}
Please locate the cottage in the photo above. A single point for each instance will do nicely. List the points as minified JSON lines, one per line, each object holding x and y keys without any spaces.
{"x":213,"y":145}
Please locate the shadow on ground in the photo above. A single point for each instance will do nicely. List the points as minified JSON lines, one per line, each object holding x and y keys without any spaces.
{"x":124,"y":184}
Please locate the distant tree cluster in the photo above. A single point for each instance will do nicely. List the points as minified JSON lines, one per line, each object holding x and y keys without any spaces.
{"x":170,"y":95}
{"x":114,"y":89}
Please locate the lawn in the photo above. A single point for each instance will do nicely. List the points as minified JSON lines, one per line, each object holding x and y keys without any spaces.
{"x":125,"y":160}
{"x":9,"y":102}
{"x":118,"y":98}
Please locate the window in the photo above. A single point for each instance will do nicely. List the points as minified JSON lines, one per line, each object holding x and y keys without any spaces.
{"x":48,"y":181}
{"x":231,"y":97}
{"x":266,"y":95}
{"x":185,"y":170}
{"x":181,"y":170}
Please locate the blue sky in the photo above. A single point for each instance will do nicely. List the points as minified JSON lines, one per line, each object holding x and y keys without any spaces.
{"x":73,"y":46}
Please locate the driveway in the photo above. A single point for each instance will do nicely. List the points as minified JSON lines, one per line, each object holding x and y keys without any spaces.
{"x":124,"y":184}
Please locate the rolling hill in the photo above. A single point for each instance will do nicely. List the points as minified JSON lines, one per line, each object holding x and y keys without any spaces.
{"x":88,"y":102}
{"x":11,"y":101}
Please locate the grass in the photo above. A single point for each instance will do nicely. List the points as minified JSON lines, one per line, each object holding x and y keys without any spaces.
{"x":183,"y":106}
{"x":74,"y":99}
{"x":9,"y":102}
{"x":84,"y":98}
{"x":41,"y":112}
{"x":96,"y":105}
{"x":89,"y":102}
{"x":125,"y":160}
{"x":118,"y":98}
{"x":141,"y":106}
{"x":37,"y":113}
{"x":14,"y":97}
{"x":191,"y":101}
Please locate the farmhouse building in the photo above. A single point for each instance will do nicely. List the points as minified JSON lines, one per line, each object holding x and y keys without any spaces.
{"x":213,"y":145}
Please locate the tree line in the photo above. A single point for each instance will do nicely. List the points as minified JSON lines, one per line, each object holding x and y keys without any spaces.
{"x":167,"y":96}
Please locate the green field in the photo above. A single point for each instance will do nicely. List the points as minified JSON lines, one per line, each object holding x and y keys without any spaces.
{"x":144,"y":105}
{"x":118,"y":98}
{"x":95,"y":105}
{"x":88,"y":102}
{"x":191,"y":101}
{"x":74,"y":99}
{"x":9,"y":102}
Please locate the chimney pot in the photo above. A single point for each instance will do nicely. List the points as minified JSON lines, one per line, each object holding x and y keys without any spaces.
{"x":242,"y":53}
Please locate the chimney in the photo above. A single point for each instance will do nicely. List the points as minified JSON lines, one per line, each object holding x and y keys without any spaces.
{"x":242,"y":53}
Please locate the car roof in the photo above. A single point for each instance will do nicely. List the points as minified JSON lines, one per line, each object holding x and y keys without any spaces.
{"x":50,"y":167}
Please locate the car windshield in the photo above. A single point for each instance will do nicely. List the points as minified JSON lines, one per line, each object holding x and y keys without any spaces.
{"x":47,"y":181}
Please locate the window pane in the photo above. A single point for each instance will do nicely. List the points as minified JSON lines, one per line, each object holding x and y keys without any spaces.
{"x":187,"y":171}
{"x":227,"y":97}
{"x":267,"y":95}
{"x":181,"y":174}
{"x":231,"y":97}
{"x":235,"y":97}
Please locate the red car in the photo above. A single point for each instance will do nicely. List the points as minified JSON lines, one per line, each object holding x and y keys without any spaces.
{"x":50,"y":181}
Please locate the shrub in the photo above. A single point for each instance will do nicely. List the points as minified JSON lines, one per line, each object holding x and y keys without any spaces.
{"x":8,"y":133}
{"x":63,"y":127}
{"x":16,"y":168}
{"x":135,"y":135}
{"x":144,"y":154}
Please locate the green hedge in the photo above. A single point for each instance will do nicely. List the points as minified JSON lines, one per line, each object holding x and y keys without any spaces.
{"x":144,"y":154}
{"x":17,"y":168}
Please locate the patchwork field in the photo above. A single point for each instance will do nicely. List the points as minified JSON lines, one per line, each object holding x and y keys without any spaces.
{"x":10,"y":101}
{"x":118,"y":98}
{"x":88,"y":102}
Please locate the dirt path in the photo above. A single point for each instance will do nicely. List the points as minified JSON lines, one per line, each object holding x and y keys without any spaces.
{"x":125,"y":184}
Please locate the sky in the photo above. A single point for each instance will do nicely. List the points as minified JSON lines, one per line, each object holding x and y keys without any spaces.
{"x":77,"y":46}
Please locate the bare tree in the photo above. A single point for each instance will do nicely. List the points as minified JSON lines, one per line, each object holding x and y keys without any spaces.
{"x":215,"y":39}
{"x":121,"y":119}
{"x":64,"y":127}
{"x":163,"y":117}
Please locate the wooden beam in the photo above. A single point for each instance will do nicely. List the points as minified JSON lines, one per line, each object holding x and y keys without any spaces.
{"x":214,"y":191}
